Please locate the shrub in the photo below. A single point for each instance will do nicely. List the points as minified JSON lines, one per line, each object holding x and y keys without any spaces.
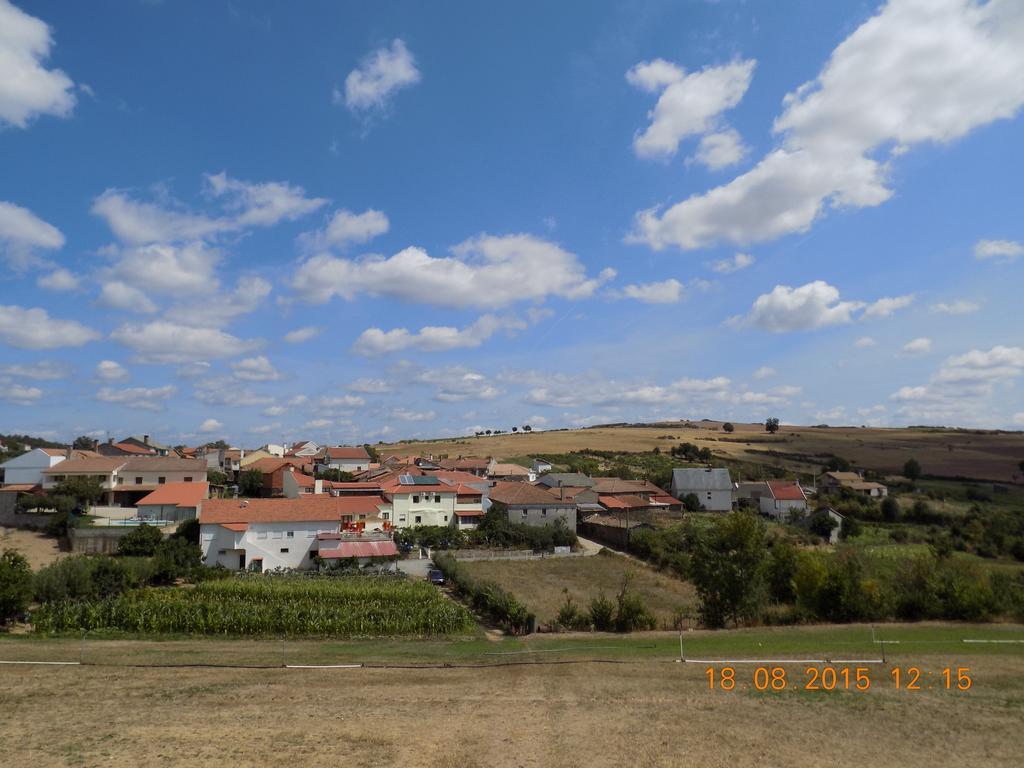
{"x":850,"y":528}
{"x":84,"y":577}
{"x":602,"y":613}
{"x":141,"y":542}
{"x":15,"y":585}
{"x":485,"y":597}
{"x":174,"y":558}
{"x":691,"y":503}
{"x":570,"y":616}
{"x":728,"y":564}
{"x":782,"y":563}
{"x":631,"y":614}
{"x":187,"y":530}
{"x":728,"y":427}
{"x":890,"y":509}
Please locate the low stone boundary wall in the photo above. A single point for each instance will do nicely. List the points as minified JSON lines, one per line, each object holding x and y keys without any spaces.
{"x":507,"y":554}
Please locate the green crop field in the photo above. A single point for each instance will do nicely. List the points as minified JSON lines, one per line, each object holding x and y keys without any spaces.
{"x":253,"y":606}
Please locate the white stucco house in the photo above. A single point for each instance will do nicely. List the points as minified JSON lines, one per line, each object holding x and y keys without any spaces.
{"x":533,"y":504}
{"x":784,"y":497}
{"x":128,"y":479}
{"x":28,"y":468}
{"x":265,"y":534}
{"x":426,"y":500}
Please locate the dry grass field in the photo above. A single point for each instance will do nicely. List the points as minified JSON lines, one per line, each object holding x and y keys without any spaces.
{"x":538,"y":584}
{"x":647,"y":712}
{"x":948,"y":453}
{"x":40,"y":550}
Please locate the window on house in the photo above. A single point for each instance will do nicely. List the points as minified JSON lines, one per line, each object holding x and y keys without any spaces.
{"x":362,"y":517}
{"x":161,"y":480}
{"x":415,"y":499}
{"x":401,"y":519}
{"x":188,"y":479}
{"x":120,"y":481}
{"x":524,"y":513}
{"x":446,"y":518}
{"x":222,"y":551}
{"x":385,"y":516}
{"x":284,"y":550}
{"x":419,"y":519}
{"x":437,"y":498}
{"x":138,"y":481}
{"x":290,"y":535}
{"x":544,"y":513}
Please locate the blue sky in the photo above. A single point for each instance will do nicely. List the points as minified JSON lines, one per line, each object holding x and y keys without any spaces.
{"x":350,"y":222}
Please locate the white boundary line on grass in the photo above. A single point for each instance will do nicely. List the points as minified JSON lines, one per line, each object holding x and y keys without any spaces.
{"x":323,"y":666}
{"x":992,"y":641}
{"x":51,"y":663}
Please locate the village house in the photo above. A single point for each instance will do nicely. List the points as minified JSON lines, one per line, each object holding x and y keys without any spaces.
{"x":832,"y":482}
{"x":504,"y":471}
{"x":473,"y":465}
{"x":427,"y":500}
{"x":27,"y":469}
{"x":712,"y":487}
{"x":785,"y":499}
{"x":303,"y":448}
{"x":533,"y":504}
{"x":345,"y":459}
{"x":266,"y":534}
{"x":173,"y":502}
{"x":540,"y":466}
{"x":126,"y":480}
{"x":273,"y":471}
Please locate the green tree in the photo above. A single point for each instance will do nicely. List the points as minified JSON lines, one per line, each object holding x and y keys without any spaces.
{"x":728,"y":427}
{"x":250,"y":483}
{"x":691,"y":503}
{"x":83,"y":443}
{"x":850,"y":528}
{"x":728,"y":567}
{"x":216,"y":478}
{"x":822,"y":524}
{"x":837,"y":464}
{"x":142,"y":542}
{"x":771,"y":425}
{"x":890,"y":509}
{"x":187,"y":530}
{"x":334,"y":475}
{"x":372,"y":452}
{"x":781,"y":568}
{"x":84,"y":490}
{"x":15,"y":585}
{"x":912,"y":470}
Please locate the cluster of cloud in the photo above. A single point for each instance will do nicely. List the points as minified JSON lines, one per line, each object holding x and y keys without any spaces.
{"x":692,"y":105}
{"x":963,"y":388}
{"x":915,"y":73}
{"x":1004,"y":250}
{"x":814,"y":305}
{"x":374,"y":341}
{"x":23,"y":235}
{"x":487,"y":271}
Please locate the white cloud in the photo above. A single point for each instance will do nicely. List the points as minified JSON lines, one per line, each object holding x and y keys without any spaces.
{"x":317,"y":424}
{"x":261,"y":204}
{"x":41,"y":371}
{"x":887,"y":306}
{"x":257,"y":368}
{"x":665,"y":292}
{"x":720,"y":150}
{"x":814,"y":305}
{"x":374,"y":341}
{"x":917,"y":72}
{"x":963,"y":389}
{"x":380,"y":75}
{"x":958,"y":307}
{"x":457,"y":384}
{"x":161,"y":341}
{"x":143,"y":398}
{"x":22,"y":233}
{"x":226,"y":391}
{"x":690,"y":104}
{"x":219,"y":310}
{"x":170,"y":270}
{"x":110,"y":370}
{"x":246,"y":205}
{"x":764,"y":372}
{"x":302,"y":335}
{"x":27,"y":88}
{"x":274,"y":410}
{"x":118,"y":295}
{"x":371,"y":386}
{"x":1018,"y":419}
{"x":864,"y":342}
{"x":346,"y":228}
{"x":919,"y":346}
{"x":486,"y":272}
{"x":35,"y":329}
{"x":19,"y":394}
{"x":998,"y":249}
{"x":340,"y":402}
{"x":406,"y":414}
{"x":58,"y":280}
{"x":211,"y":425}
{"x":735,"y":264}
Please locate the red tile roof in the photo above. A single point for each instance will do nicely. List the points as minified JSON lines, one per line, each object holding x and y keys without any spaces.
{"x":136,"y":449}
{"x":309,"y":507}
{"x":381,"y":548}
{"x":343,"y":452}
{"x":786,"y":490}
{"x":236,"y":527}
{"x":178,"y":494}
{"x":517,"y":493}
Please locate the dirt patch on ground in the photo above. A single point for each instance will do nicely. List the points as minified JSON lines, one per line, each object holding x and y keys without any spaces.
{"x":642,"y":714}
{"x":40,"y":550}
{"x":539,"y":584}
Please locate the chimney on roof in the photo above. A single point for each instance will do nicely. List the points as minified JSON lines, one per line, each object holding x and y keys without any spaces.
{"x":110,"y":440}
{"x":318,"y":486}
{"x":67,"y":453}
{"x":145,"y":439}
{"x":96,"y":445}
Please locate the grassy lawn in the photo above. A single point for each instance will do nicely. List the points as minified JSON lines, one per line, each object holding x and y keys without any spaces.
{"x":539,"y":584}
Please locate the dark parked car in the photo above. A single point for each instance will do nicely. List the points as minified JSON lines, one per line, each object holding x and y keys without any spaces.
{"x":435,"y":576}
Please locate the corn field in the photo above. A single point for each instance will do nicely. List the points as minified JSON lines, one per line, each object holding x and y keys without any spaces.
{"x":280,"y":606}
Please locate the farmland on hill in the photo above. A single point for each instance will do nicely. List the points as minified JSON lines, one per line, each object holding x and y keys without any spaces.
{"x":951,"y":453}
